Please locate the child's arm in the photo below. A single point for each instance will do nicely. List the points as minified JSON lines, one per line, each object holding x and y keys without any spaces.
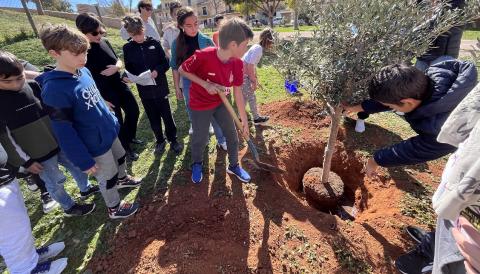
{"x":164,"y":65}
{"x":176,"y":75}
{"x":211,"y":88}
{"x":251,"y":72}
{"x":16,"y":156}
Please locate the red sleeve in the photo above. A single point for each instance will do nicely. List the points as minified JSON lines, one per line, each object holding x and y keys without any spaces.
{"x":238,"y":73}
{"x":193,"y":63}
{"x":215,"y":38}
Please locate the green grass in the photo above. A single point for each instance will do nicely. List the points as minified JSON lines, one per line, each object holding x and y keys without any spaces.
{"x":471,"y":34}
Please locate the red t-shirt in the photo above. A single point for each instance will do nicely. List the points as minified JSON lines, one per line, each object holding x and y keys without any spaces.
{"x":206,"y":65}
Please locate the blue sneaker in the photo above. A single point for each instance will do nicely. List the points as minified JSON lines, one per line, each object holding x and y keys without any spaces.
{"x":197,"y":173}
{"x":241,"y":174}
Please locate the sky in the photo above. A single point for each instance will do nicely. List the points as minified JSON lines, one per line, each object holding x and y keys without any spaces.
{"x":17,"y":3}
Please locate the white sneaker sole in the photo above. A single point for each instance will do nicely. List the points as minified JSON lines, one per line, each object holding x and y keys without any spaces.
{"x":50,"y":207}
{"x":128,"y":186}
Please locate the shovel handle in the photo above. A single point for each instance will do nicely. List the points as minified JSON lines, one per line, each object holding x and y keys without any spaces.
{"x":230,"y":109}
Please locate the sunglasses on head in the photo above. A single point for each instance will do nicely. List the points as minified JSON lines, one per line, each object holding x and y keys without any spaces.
{"x":95,"y":33}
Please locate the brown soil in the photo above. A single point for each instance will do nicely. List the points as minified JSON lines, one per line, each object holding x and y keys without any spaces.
{"x":323,"y":196}
{"x":268,"y":226}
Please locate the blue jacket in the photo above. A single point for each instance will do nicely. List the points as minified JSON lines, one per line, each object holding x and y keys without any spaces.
{"x":83,"y":124}
{"x":450,"y":81}
{"x":203,"y":42}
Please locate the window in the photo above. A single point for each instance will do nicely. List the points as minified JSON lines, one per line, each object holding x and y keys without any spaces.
{"x":204,"y":10}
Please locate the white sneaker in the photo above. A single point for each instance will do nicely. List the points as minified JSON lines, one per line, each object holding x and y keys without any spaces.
{"x":360,"y":126}
{"x":48,"y":204}
{"x":48,"y":252}
{"x":190,"y":131}
{"x":210,"y":130}
{"x":222,"y":146}
{"x":50,"y":267}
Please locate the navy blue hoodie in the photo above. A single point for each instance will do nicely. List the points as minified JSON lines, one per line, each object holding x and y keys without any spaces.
{"x":450,"y":81}
{"x":83,"y":124}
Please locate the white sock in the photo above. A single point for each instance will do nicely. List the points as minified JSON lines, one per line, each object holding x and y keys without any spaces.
{"x":360,"y":126}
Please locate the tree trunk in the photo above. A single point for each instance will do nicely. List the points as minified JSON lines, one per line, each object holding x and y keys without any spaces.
{"x":40,"y":11}
{"x":270,"y":20}
{"x":330,"y":149}
{"x":295,"y":18}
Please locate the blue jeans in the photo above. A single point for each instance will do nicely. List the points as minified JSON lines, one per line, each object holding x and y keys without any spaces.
{"x":54,"y":179}
{"x":186,"y":97}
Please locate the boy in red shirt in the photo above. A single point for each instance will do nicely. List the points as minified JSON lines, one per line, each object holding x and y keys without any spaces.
{"x":211,"y":71}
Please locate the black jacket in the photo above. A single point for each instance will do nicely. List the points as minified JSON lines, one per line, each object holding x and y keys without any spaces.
{"x":99,"y":56}
{"x":148,"y":55}
{"x":450,"y":81}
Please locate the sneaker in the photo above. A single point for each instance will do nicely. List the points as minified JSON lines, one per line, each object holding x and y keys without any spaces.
{"x":91,"y":190}
{"x":123,"y":210}
{"x":50,"y":267}
{"x":48,"y":204}
{"x":210,"y":130}
{"x":190,"y":131}
{"x":222,"y":146}
{"x":416,"y":233}
{"x":128,"y":181}
{"x":31,"y":185}
{"x":360,"y":126}
{"x":132,"y":156}
{"x":137,"y":141}
{"x":260,"y":121}
{"x":176,"y":147}
{"x":197,"y":173}
{"x":80,"y":210}
{"x":48,"y":252}
{"x":159,"y":148}
{"x":238,"y":171}
{"x":413,"y":262}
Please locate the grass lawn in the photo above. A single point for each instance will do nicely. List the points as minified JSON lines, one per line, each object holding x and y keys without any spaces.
{"x":85,"y":237}
{"x":471,"y":34}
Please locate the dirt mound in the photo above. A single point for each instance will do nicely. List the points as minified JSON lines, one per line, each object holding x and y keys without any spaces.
{"x":268,"y":226}
{"x":324,"y":196}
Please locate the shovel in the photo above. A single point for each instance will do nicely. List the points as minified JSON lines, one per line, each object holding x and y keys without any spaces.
{"x":251,"y":145}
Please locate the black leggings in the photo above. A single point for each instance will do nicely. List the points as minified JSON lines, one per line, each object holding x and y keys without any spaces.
{"x":39,"y":182}
{"x":157,"y":110}
{"x":128,"y":125}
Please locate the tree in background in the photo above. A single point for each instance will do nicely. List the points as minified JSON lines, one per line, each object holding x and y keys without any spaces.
{"x":354,"y":39}
{"x":269,"y":7}
{"x":56,"y":5}
{"x":246,"y":8}
{"x":117,"y":8}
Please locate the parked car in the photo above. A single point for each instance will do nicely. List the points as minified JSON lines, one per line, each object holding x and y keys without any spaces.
{"x":277,"y":21}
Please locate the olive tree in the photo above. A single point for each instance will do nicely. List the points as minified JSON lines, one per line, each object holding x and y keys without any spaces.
{"x":352,"y":40}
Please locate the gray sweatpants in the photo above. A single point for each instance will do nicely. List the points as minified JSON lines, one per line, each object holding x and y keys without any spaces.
{"x":249,"y":96}
{"x":201,"y":120}
{"x":111,"y":166}
{"x":447,"y":258}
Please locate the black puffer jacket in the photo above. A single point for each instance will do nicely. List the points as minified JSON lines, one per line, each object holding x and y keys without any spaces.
{"x":450,"y":81}
{"x":148,"y":55}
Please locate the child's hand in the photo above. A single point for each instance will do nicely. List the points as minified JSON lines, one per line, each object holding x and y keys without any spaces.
{"x":352,"y":109}
{"x":371,"y":167}
{"x":179,"y":93}
{"x":35,"y":168}
{"x":126,"y":80}
{"x":110,"y":70}
{"x":92,"y":170}
{"x":245,"y":129}
{"x":469,"y":245}
{"x":154,"y":74}
{"x":213,"y":88}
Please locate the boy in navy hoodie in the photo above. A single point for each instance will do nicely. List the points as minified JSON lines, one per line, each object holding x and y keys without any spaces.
{"x":426,"y":99}
{"x":86,"y":129}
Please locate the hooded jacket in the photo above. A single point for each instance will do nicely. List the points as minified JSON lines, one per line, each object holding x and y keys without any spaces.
{"x":149,"y":55}
{"x":84,"y":126}
{"x":450,"y":81}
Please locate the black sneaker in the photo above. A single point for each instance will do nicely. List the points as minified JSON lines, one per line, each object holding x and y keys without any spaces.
{"x":128,"y":181}
{"x":176,"y":147}
{"x":137,"y":141}
{"x":159,"y":148}
{"x":413,"y":262}
{"x":260,"y":121}
{"x":132,"y":156}
{"x":416,"y":233}
{"x":80,"y":210}
{"x":123,"y":210}
{"x":48,"y":204}
{"x":31,"y":185}
{"x":90,"y":191}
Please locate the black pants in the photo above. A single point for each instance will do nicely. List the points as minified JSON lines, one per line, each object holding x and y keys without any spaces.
{"x":39,"y":182}
{"x":157,"y":110}
{"x":128,"y":125}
